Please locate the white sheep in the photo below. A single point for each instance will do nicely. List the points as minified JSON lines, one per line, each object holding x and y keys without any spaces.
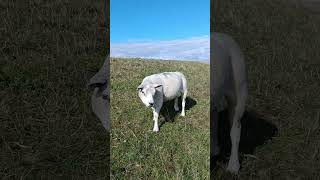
{"x":158,"y":88}
{"x":229,"y":80}
{"x":100,"y":96}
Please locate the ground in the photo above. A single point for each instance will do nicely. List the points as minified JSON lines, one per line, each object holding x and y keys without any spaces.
{"x":49,"y":50}
{"x":281,"y":44}
{"x":181,"y":148}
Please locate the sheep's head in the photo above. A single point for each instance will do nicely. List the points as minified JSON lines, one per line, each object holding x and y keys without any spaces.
{"x":147,"y":93}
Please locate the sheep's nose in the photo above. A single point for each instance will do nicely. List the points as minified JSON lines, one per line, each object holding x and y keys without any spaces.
{"x":151,"y":104}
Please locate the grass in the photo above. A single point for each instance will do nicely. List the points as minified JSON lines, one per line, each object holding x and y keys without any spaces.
{"x":181,"y":148}
{"x":281,"y":44}
{"x":48,"y":51}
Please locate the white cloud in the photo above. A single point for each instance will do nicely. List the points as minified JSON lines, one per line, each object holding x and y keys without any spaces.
{"x":194,"y":48}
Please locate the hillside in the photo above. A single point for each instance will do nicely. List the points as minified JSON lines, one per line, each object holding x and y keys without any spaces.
{"x":281,"y":43}
{"x":181,"y":148}
{"x":48,"y":52}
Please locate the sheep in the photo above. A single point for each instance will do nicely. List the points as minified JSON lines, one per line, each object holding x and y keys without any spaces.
{"x":100,"y":96}
{"x":158,"y":88}
{"x":229,"y":80}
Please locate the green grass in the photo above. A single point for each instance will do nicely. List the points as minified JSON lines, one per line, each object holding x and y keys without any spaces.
{"x":180,"y":150}
{"x":281,"y":44}
{"x":48,"y":52}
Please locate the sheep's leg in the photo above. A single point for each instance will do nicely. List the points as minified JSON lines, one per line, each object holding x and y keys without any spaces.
{"x":176,"y":106}
{"x":155,"y":119}
{"x":236,"y":111}
{"x":156,"y":112}
{"x":183,"y":102}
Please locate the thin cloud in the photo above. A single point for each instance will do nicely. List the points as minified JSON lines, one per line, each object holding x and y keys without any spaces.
{"x":194,"y":48}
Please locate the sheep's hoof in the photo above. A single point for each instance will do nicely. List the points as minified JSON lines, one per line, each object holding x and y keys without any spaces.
{"x":155,"y":129}
{"x":233,"y":167}
{"x":182,"y":114}
{"x":176,"y":108}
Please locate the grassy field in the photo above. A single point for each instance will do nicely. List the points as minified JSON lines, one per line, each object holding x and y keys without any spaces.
{"x":48,"y":52}
{"x":181,"y":148}
{"x":281,"y":44}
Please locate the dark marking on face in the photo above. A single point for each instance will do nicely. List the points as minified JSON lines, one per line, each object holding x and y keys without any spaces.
{"x":106,"y":97}
{"x":140,"y":87}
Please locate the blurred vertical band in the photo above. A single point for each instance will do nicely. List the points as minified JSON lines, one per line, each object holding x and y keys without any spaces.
{"x":213,"y":108}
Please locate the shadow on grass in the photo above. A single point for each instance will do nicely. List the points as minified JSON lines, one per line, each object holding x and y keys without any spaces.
{"x":255,"y":131}
{"x":168,"y":112}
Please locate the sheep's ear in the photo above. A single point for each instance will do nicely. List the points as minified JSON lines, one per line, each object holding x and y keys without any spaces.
{"x":157,"y":85}
{"x":140,"y":87}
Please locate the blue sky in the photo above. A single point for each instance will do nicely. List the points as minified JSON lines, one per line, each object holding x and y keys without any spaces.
{"x":166,"y":29}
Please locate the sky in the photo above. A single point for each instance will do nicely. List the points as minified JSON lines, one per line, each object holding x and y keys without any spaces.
{"x":160,"y":29}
